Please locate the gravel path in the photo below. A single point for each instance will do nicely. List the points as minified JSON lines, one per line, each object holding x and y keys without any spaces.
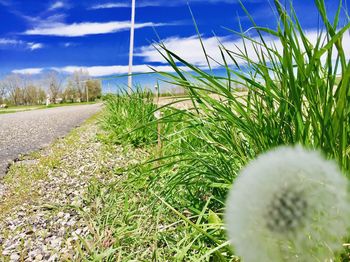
{"x":23,"y":132}
{"x":48,"y":224}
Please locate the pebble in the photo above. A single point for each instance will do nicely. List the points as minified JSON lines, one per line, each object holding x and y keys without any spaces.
{"x":14,"y":257}
{"x":60,"y":214}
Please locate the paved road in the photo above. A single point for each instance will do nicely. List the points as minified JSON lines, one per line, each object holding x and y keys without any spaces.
{"x":23,"y":132}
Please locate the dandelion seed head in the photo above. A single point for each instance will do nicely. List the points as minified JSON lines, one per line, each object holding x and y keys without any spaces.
{"x":288,"y":204}
{"x":287,"y":211}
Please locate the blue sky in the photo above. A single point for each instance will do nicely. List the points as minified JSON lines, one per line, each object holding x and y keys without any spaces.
{"x":66,"y":35}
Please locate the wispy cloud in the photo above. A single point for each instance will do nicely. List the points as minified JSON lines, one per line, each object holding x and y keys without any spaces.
{"x":4,"y":2}
{"x":14,"y":43}
{"x":150,"y":3}
{"x":98,"y":71}
{"x":34,"y":46}
{"x":44,"y":17}
{"x":110,"y":5}
{"x":28,"y":71}
{"x":56,"y":5}
{"x":87,"y":28}
{"x":68,"y":44}
{"x":6,"y":41}
{"x":190,"y":49}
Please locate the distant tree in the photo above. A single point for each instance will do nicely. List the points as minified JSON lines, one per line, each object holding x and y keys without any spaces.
{"x":31,"y":95}
{"x":3,"y":92}
{"x":70,"y":93}
{"x":41,"y":96}
{"x":13,"y":85}
{"x":94,"y":89}
{"x":17,"y":96}
{"x":19,"y":89}
{"x":34,"y":95}
{"x":79,"y":79}
{"x":54,"y":85}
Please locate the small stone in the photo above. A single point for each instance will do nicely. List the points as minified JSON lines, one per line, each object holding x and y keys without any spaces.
{"x":14,"y":257}
{"x":39,"y":257}
{"x":60,"y":214}
{"x":71,"y":222}
{"x":56,"y":243}
{"x":53,"y":258}
{"x":6,"y":252}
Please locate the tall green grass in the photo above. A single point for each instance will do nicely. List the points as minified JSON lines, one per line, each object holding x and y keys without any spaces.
{"x":130,"y":117}
{"x":298,"y":92}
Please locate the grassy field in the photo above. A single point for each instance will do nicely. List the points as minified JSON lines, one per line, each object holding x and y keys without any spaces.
{"x":15,"y":109}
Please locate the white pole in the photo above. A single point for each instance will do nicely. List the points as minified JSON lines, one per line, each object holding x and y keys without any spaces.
{"x":131,"y":49}
{"x":87,"y":92}
{"x":47,"y":100}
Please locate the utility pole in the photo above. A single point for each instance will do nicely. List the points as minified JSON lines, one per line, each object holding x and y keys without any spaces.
{"x":87,"y":92}
{"x":131,"y":49}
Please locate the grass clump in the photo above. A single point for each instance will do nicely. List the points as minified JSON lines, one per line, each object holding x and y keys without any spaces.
{"x":297,"y":94}
{"x":129,"y":221}
{"x":123,"y":223}
{"x":130,"y":117}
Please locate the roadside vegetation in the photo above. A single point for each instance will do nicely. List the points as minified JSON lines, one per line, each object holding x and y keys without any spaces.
{"x":129,"y":117}
{"x":15,"y":109}
{"x":171,"y":207}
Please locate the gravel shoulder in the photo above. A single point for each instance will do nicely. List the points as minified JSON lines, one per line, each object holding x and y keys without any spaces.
{"x":23,"y":132}
{"x":41,"y":212}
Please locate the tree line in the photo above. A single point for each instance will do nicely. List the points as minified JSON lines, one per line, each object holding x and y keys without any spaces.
{"x":19,"y":89}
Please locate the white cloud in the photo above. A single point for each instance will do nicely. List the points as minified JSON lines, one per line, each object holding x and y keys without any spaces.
{"x":10,"y":43}
{"x":34,"y":46}
{"x":86,"y":28}
{"x":190,"y":49}
{"x":68,"y":44}
{"x":110,"y":5}
{"x":28,"y":71}
{"x":150,"y":3}
{"x":98,"y":71}
{"x":56,"y":5}
{"x":6,"y":41}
